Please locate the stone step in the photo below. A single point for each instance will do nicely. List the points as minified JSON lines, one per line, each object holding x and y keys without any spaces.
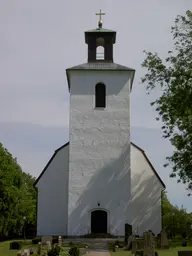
{"x":93,"y":243}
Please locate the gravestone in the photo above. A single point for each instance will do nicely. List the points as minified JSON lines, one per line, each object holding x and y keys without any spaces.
{"x":48,"y":246}
{"x":184,"y":253}
{"x":44,"y":239}
{"x":60,"y":241}
{"x":134,"y":246}
{"x":39,"y":248}
{"x":128,"y":232}
{"x":140,"y":244}
{"x":129,"y":243}
{"x":149,"y":244}
{"x":26,"y":252}
{"x":164,"y":240}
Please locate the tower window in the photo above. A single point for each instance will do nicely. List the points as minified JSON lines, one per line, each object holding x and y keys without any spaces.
{"x":100,"y":53}
{"x":100,"y":96}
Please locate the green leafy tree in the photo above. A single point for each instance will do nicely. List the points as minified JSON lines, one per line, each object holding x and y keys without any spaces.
{"x":17,"y":196}
{"x":10,"y":185}
{"x":175,"y":219}
{"x":173,"y":76}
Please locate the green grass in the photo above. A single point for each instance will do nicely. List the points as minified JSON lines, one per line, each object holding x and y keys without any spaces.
{"x":169,"y":252}
{"x":4,"y":248}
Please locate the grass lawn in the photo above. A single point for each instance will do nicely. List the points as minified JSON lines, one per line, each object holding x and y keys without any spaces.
{"x":170,"y":252}
{"x":4,"y":248}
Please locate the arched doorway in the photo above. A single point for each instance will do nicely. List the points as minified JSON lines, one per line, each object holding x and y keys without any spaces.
{"x":99,"y":221}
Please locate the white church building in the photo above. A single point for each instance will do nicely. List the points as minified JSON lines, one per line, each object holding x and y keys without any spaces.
{"x":99,"y":180}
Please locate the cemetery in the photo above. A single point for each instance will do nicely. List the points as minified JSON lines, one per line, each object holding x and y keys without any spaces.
{"x":130,"y":244}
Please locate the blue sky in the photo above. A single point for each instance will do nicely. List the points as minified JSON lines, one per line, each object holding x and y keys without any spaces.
{"x":41,"y":38}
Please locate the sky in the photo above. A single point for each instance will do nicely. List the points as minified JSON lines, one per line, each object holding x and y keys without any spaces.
{"x":39,"y":39}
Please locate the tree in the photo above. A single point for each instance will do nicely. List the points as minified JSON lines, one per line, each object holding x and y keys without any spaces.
{"x":17,"y":196}
{"x":174,"y":106}
{"x":175,"y":219}
{"x":10,"y":184}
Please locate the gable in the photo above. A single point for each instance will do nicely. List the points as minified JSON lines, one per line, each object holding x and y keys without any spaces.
{"x":148,"y":162}
{"x":132,"y":144}
{"x":50,"y":161}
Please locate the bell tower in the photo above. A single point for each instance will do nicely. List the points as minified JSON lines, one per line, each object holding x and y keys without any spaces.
{"x":99,"y":189}
{"x":100,"y":37}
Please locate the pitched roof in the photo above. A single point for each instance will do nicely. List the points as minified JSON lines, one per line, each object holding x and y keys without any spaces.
{"x":57,"y":150}
{"x":102,"y":66}
{"x":47,"y":165}
{"x":96,"y":30}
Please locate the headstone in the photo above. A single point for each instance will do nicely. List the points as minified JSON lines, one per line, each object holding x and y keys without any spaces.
{"x":20,"y":253}
{"x":158,"y":240}
{"x":139,"y":253}
{"x":39,"y":248}
{"x":140,"y":243}
{"x":128,"y":232}
{"x":164,"y":240}
{"x":60,"y":241}
{"x":26,"y":252}
{"x":149,"y":244}
{"x":48,"y":246}
{"x":184,"y":253}
{"x":130,"y":239}
{"x":134,"y":246}
{"x":44,"y":239}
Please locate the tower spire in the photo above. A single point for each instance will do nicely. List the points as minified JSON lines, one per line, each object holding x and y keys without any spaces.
{"x":100,"y":23}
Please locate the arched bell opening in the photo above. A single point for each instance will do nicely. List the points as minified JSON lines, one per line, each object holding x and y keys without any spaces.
{"x":100,"y":51}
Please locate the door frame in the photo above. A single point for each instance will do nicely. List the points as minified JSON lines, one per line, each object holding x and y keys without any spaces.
{"x":99,"y":209}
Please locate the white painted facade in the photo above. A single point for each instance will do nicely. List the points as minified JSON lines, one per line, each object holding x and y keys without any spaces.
{"x":146,"y":191}
{"x":99,"y":150}
{"x":52,"y":203}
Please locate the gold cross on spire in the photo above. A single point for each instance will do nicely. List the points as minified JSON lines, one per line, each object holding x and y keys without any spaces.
{"x":100,"y":14}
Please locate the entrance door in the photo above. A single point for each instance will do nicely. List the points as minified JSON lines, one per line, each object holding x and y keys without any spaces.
{"x":99,"y":221}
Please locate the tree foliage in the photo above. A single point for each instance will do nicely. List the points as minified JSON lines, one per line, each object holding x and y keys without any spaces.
{"x":17,"y":196}
{"x":175,"y":219}
{"x":174,"y":106}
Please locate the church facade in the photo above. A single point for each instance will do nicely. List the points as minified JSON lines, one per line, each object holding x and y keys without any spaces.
{"x":99,"y":180}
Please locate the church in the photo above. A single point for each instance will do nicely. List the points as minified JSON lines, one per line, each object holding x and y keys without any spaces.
{"x":99,"y":180}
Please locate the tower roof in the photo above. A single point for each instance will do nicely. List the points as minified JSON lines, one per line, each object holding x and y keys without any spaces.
{"x":96,"y":30}
{"x":100,"y":32}
{"x":102,"y":66}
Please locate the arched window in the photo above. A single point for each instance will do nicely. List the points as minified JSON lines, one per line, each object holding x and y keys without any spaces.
{"x":100,"y":53}
{"x":100,"y":96}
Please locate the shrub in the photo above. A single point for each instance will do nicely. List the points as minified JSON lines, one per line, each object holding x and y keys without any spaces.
{"x":184,"y":235}
{"x":36,"y":240}
{"x":74,"y":251}
{"x":112,"y":246}
{"x":55,"y":251}
{"x":184,"y":243}
{"x":55,"y":240}
{"x":71,"y":244}
{"x":15,"y":245}
{"x":120,"y":244}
